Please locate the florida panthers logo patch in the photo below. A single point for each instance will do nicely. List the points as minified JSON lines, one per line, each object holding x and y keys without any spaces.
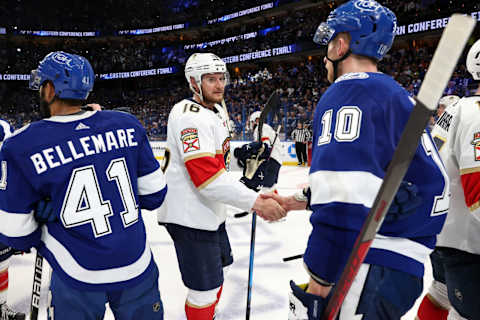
{"x":476,"y":145}
{"x":189,"y":137}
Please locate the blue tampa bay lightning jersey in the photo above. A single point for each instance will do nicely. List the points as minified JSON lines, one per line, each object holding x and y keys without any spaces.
{"x":98,"y":169}
{"x":357,"y":126}
{"x":6,"y":130}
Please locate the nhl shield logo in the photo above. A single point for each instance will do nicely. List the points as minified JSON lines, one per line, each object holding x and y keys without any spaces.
{"x":156,"y":307}
{"x":476,"y":145}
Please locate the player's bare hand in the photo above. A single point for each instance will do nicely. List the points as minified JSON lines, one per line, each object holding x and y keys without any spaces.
{"x":269,"y":209}
{"x":95,"y":106}
{"x":287,"y":203}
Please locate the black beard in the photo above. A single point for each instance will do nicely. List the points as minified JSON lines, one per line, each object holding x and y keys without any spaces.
{"x":44,"y":109}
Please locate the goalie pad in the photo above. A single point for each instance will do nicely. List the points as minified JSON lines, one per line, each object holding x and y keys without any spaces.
{"x":303,"y":305}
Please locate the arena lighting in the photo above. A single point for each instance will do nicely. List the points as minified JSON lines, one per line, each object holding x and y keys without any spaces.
{"x":237,"y":14}
{"x":262,"y":54}
{"x":429,"y":25}
{"x":153,"y":30}
{"x":52,"y":33}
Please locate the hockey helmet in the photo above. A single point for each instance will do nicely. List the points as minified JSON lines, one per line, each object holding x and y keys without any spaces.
{"x":370,"y":25}
{"x":473,"y":60}
{"x":448,"y":100}
{"x":199,"y":64}
{"x":254,"y":116}
{"x":71,"y":75}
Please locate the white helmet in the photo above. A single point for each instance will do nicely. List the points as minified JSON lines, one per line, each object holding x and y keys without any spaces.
{"x":473,"y":60}
{"x":254,"y":116}
{"x":448,"y":100}
{"x":199,"y":64}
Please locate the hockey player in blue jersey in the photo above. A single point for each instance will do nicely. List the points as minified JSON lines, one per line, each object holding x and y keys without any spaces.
{"x":357,"y":125}
{"x":6,"y":252}
{"x":98,"y":170}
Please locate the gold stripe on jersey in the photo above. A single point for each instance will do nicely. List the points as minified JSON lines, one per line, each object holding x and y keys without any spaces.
{"x":211,"y":179}
{"x":474,"y":206}
{"x":219,"y":151}
{"x":469,"y":170}
{"x":199,"y":155}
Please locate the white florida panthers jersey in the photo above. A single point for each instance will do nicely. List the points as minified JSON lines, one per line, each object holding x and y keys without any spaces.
{"x":198,"y":145}
{"x":457,"y":135}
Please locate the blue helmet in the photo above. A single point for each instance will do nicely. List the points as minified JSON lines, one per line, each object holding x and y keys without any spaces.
{"x":371,"y":26}
{"x":71,"y":75}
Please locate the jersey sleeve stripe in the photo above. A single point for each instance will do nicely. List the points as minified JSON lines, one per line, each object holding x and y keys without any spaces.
{"x":469,"y":170}
{"x":204,"y":170}
{"x":72,"y":268}
{"x":17,"y":224}
{"x":403,"y":246}
{"x":151,"y":183}
{"x":211,"y":179}
{"x":353,"y":187}
{"x":471,"y":190}
{"x":199,"y":155}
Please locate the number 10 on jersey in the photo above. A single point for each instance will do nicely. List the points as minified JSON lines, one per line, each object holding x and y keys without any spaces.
{"x":347,"y":126}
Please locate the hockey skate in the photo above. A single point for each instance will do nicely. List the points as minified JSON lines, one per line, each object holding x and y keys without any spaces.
{"x":7,"y":313}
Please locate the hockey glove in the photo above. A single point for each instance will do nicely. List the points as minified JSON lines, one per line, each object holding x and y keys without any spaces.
{"x":305,"y":305}
{"x":44,"y":211}
{"x":405,"y":203}
{"x":252,"y":158}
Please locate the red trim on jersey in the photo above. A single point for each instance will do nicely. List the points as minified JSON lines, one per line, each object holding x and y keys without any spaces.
{"x":4,"y":280}
{"x":202,"y":169}
{"x":471,"y":188}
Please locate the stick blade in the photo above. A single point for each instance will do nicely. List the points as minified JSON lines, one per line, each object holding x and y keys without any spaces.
{"x":444,"y":61}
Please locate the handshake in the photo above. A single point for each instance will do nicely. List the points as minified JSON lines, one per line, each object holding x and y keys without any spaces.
{"x":272,"y":206}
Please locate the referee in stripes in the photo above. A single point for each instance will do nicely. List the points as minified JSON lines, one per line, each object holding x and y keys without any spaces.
{"x":301,"y":136}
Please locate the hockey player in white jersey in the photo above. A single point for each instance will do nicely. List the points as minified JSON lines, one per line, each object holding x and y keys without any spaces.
{"x":6,"y":252}
{"x":456,"y":259}
{"x":200,"y":185}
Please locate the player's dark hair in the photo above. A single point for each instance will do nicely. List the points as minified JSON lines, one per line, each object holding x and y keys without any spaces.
{"x":73,"y":102}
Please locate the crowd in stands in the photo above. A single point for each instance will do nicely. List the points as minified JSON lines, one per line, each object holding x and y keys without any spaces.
{"x":300,"y":85}
{"x":110,"y":16}
{"x":127,"y":54}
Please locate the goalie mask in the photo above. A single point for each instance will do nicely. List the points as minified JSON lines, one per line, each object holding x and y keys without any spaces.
{"x":199,"y":64}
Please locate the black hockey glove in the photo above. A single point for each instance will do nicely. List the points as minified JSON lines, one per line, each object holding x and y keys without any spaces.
{"x":405,"y":203}
{"x":251,"y":157}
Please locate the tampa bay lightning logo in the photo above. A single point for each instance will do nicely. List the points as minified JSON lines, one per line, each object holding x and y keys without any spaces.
{"x":367,"y":5}
{"x":60,"y":58}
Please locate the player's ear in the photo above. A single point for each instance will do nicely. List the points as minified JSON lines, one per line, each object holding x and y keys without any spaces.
{"x":194,"y":84}
{"x":48,"y":90}
{"x":343,"y":44}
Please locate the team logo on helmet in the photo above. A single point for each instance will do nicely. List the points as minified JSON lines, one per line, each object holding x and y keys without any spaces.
{"x":60,"y":58}
{"x":367,"y":5}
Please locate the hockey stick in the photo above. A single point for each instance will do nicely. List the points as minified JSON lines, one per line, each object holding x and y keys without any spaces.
{"x":449,"y":49}
{"x":272,"y":105}
{"x":241,"y":214}
{"x":37,"y":284}
{"x":295,"y":257}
